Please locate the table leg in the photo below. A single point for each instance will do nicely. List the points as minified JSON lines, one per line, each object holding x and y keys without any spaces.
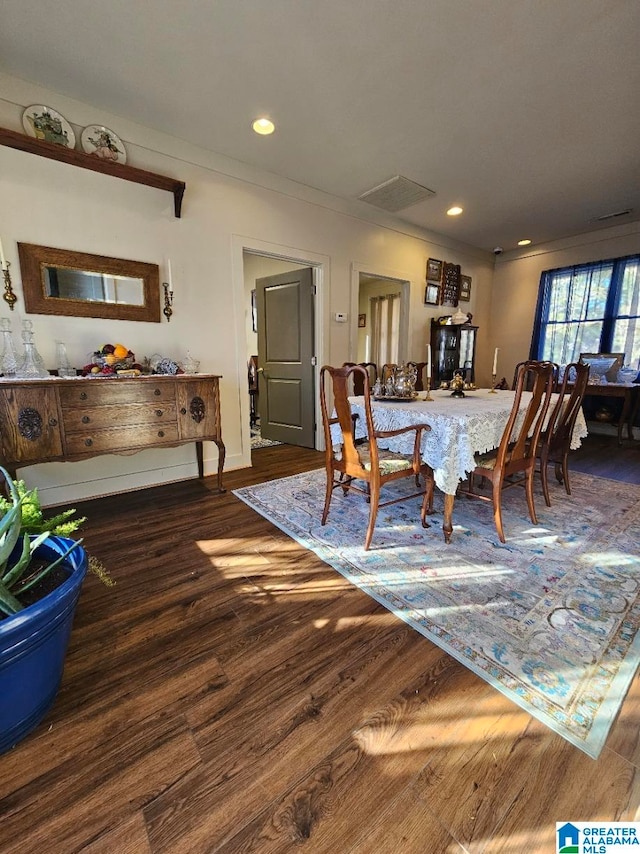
{"x":447,"y":524}
{"x":625,"y":419}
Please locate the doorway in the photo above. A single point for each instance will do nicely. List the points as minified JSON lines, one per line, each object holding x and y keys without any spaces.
{"x":383,"y":314}
{"x":261,"y":261}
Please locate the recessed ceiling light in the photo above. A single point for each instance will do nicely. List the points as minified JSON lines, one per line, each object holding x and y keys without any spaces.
{"x":263,"y":126}
{"x":454,"y":211}
{"x":524,"y":242}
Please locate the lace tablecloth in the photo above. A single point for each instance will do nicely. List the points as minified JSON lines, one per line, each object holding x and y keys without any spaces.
{"x":460,"y":428}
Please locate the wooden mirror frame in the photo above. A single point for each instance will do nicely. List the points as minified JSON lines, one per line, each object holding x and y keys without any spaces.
{"x":33,"y":260}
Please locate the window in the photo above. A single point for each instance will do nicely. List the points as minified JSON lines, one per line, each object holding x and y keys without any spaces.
{"x":591,"y":308}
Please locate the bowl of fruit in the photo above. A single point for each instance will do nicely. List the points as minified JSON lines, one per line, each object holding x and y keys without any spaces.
{"x":112,"y":360}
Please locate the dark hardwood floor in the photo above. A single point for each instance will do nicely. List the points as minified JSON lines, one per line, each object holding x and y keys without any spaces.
{"x":232,"y":693}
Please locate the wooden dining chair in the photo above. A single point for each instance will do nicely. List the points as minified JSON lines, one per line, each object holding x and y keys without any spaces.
{"x":347,"y":462}
{"x":555,"y":439}
{"x":516,"y":453}
{"x":556,"y":372}
{"x":419,"y":366}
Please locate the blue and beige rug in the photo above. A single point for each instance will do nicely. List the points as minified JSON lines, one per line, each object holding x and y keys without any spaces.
{"x":550,"y":618}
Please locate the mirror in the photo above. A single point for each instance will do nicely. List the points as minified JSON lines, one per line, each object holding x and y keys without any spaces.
{"x":59,"y":281}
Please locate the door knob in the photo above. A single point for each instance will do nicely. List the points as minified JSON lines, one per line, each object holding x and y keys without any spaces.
{"x":261,"y":370}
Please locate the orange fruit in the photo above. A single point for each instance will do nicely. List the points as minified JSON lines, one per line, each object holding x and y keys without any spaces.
{"x":120,"y":351}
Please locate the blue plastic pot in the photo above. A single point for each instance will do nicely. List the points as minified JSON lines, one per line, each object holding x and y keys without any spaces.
{"x":33,"y":644}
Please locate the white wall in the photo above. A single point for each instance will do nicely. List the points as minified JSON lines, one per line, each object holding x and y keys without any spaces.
{"x":517,"y":278}
{"x":227,"y":207}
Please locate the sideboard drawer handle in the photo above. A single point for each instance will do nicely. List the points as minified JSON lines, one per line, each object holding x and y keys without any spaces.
{"x":85,"y":419}
{"x":53,"y":422}
{"x":183,"y":411}
{"x":88,"y":442}
{"x":83,"y":395}
{"x":161,"y":433}
{"x":157,"y":392}
{"x":158,"y":412}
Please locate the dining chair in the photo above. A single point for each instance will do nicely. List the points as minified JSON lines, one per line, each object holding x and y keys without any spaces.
{"x":555,"y":439}
{"x":419,"y":366}
{"x":252,"y":377}
{"x":516,"y":453}
{"x":357,"y":384}
{"x":347,"y":462}
{"x":556,"y":372}
{"x":387,"y":371}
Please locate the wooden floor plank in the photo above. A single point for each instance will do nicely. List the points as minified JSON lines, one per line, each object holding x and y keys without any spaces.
{"x":232,"y":692}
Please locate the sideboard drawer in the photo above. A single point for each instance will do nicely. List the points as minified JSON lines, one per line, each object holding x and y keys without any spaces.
{"x":115,"y":391}
{"x":121,"y":439}
{"x":101,"y":417}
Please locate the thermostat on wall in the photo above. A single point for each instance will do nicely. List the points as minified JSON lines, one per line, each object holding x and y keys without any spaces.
{"x":340,"y":317}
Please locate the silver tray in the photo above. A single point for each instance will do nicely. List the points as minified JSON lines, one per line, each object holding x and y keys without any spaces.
{"x":387,"y":398}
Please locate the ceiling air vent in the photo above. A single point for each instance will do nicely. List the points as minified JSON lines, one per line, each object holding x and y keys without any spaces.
{"x":396,"y":194}
{"x":605,"y":217}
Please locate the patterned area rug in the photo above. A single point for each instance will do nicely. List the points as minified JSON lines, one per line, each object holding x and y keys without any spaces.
{"x":550,"y":618}
{"x":258,"y":442}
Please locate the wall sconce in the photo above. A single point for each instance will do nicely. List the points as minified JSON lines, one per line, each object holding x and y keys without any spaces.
{"x":8,"y":294}
{"x":168,"y":301}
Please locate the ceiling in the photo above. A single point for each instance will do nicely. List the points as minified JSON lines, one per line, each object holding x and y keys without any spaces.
{"x":527,"y":115}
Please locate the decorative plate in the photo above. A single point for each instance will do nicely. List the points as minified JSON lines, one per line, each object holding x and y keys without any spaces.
{"x":104,"y":143}
{"x":47,"y":124}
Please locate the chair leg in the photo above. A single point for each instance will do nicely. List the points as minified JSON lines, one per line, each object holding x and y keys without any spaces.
{"x":529,"y":491}
{"x":544,"y":462}
{"x":327,"y":498}
{"x":427,"y":501}
{"x":373,"y":512}
{"x":497,"y":509}
{"x":565,"y":472}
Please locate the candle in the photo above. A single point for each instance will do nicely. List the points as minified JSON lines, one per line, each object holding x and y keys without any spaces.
{"x":170,"y":276}
{"x":3,"y":260}
{"x":428,"y":361}
{"x":495,"y":362}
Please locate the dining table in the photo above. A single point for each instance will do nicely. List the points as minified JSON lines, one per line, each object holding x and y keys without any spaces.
{"x":461,"y":427}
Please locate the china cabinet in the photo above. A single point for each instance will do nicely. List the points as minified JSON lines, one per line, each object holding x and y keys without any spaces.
{"x":453,"y":348}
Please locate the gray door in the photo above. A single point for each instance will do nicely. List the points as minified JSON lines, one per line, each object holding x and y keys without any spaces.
{"x":286,"y":395}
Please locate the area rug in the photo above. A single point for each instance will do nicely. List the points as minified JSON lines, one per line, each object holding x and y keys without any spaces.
{"x":258,"y":442}
{"x":550,"y":618}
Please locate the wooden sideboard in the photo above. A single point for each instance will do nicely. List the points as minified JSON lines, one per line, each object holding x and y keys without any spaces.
{"x":75,"y":419}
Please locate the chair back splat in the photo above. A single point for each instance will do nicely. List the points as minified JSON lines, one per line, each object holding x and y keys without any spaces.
{"x":347,"y":462}
{"x":555,"y":440}
{"x":516,"y":453}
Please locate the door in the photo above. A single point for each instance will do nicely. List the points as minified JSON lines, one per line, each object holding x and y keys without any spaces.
{"x":286,"y":398}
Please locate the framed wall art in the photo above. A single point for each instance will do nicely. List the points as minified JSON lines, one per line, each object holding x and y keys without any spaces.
{"x":362,"y":320}
{"x":465,"y":289}
{"x":432,"y":294}
{"x":434,"y":270}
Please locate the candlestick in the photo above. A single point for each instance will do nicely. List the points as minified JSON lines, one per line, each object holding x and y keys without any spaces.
{"x":428,"y":394}
{"x":494,"y":378}
{"x":495,"y":362}
{"x":168,"y":301}
{"x":8,"y":295}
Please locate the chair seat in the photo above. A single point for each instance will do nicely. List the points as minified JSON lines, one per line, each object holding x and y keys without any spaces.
{"x":389,"y":462}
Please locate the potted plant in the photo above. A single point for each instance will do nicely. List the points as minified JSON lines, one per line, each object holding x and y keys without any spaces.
{"x":41,"y":574}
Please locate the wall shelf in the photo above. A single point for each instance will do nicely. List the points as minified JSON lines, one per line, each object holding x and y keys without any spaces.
{"x":88,"y":161}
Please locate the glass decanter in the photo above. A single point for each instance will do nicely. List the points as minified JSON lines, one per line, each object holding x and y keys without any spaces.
{"x":32,"y":365}
{"x":9,"y":360}
{"x":64,"y":368}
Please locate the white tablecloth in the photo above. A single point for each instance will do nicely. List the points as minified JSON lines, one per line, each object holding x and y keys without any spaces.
{"x":460,"y":428}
